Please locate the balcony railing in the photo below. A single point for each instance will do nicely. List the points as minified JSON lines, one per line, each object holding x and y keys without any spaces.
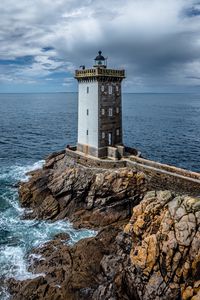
{"x":99,"y":72}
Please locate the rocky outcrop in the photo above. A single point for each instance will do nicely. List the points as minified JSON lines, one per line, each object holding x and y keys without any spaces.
{"x":165,"y":254}
{"x":155,"y":256}
{"x":88,"y":197}
{"x":91,"y":269}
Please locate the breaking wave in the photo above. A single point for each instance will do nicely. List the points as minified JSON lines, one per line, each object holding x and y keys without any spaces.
{"x":19,"y":236}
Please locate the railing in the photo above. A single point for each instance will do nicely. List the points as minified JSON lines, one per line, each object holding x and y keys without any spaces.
{"x":99,"y":72}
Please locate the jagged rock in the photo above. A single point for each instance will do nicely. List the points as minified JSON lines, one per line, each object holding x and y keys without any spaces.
{"x":151,"y":259}
{"x":156,"y":256}
{"x":165,"y":257}
{"x":89,"y":197}
{"x":91,"y":269}
{"x":62,"y":236}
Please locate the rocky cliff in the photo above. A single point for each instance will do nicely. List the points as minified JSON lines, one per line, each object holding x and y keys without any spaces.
{"x":165,"y":254}
{"x":89,"y":197}
{"x":155,"y":254}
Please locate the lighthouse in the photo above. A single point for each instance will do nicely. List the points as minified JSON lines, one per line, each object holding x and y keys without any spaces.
{"x":100,"y":110}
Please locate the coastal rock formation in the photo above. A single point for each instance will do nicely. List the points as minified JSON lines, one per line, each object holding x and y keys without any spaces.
{"x":89,"y":197}
{"x":165,"y":254}
{"x":154,"y":255}
{"x":91,"y":269}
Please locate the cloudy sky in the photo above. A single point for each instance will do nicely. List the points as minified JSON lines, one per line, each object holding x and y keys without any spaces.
{"x":42,"y":42}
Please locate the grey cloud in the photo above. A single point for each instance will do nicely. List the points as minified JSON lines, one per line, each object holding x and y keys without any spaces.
{"x":156,"y":41}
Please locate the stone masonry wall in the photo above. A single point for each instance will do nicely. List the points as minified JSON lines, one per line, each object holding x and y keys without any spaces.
{"x":159,"y":176}
{"x":161,"y":179}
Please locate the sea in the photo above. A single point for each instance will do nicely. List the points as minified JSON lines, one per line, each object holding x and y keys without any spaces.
{"x":164,"y":127}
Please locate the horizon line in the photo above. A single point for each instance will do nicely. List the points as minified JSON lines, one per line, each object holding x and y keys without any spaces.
{"x":73,"y":92}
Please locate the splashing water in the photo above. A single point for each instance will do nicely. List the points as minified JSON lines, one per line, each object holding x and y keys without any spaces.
{"x":18,"y":236}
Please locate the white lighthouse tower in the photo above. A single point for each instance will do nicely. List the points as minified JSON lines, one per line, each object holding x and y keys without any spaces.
{"x":100,"y":110}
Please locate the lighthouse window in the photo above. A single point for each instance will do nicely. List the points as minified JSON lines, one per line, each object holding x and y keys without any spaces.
{"x":88,"y":89}
{"x":117,"y":110}
{"x":110,"y":89}
{"x":87,"y":112}
{"x":103,"y":135}
{"x":110,"y":112}
{"x":87,"y":132}
{"x":117,"y":131}
{"x":102,"y":88}
{"x":103,"y":111}
{"x":109,"y":138}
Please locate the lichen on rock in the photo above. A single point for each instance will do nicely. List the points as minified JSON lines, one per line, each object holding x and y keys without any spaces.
{"x":165,"y":257}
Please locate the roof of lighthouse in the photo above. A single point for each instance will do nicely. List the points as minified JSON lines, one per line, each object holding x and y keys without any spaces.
{"x":100,"y":56}
{"x":99,"y":70}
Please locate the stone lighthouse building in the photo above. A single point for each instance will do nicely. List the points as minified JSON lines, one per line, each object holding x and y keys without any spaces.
{"x":100,"y":110}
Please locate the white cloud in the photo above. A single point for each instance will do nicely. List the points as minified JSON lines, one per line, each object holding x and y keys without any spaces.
{"x":149,"y":38}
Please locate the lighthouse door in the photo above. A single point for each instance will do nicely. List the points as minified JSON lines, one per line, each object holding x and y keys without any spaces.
{"x":109,"y":138}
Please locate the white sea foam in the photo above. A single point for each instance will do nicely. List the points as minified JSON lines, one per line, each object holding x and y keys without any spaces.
{"x":18,"y":172}
{"x":28,"y":234}
{"x":23,"y":235}
{"x":14,"y":264}
{"x":10,"y":196}
{"x":35,"y":256}
{"x":4,"y":294}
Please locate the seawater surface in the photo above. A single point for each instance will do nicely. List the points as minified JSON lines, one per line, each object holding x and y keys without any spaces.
{"x":31,"y":126}
{"x":164,"y":127}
